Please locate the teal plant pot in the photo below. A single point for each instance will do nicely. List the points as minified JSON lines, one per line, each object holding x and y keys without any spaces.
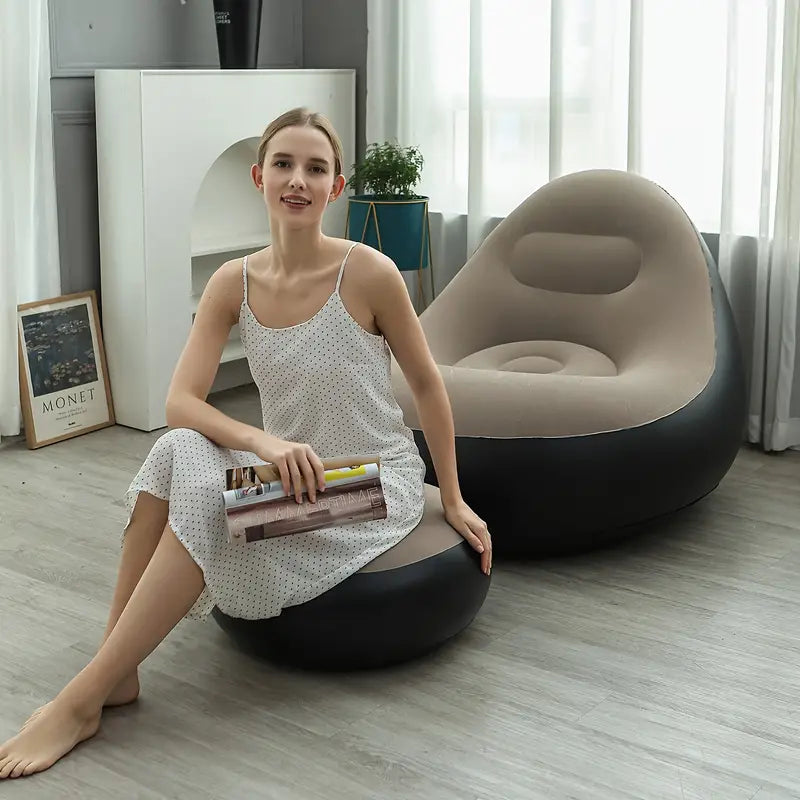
{"x":398,"y":228}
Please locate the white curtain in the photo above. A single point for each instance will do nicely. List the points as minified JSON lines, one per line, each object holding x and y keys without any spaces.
{"x":29,"y":265}
{"x":701,"y":97}
{"x":761,"y":269}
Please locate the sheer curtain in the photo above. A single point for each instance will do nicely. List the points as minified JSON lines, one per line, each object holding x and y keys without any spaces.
{"x":506,"y":95}
{"x":29,"y":265}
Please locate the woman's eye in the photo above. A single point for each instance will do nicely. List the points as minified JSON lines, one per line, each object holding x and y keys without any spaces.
{"x":318,"y":170}
{"x":281,"y":163}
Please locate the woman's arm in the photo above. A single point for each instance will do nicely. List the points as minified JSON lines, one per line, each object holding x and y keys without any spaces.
{"x":436,"y":418}
{"x":197,"y":366}
{"x":398,"y":321}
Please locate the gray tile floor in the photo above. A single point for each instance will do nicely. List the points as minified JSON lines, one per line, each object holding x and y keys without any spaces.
{"x":666,"y":667}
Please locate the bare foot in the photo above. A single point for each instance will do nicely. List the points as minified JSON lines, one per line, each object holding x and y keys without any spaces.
{"x":50,"y":733}
{"x":126,"y":691}
{"x":32,"y":717}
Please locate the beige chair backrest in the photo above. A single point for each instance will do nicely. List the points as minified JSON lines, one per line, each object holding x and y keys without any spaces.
{"x":603,"y":259}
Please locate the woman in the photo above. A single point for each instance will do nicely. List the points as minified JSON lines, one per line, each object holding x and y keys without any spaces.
{"x":317,"y":339}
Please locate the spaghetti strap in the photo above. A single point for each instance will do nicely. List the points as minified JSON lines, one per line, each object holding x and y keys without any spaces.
{"x":244,"y":278}
{"x":344,"y":261}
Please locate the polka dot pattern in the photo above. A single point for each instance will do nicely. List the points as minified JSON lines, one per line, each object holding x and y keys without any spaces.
{"x":325,"y":382}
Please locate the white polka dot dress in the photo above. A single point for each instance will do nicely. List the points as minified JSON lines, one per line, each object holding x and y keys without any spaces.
{"x":325,"y":382}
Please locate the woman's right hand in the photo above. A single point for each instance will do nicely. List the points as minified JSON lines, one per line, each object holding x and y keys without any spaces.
{"x":297,"y":463}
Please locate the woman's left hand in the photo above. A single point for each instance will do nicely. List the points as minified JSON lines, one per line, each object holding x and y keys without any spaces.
{"x":473,"y":529}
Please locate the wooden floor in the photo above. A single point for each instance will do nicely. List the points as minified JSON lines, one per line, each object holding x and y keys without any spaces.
{"x":668,"y":667}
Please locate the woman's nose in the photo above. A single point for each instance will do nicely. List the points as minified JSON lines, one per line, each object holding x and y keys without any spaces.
{"x":296,"y":181}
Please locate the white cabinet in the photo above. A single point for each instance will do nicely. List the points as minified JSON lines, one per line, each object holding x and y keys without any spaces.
{"x":174,"y":151}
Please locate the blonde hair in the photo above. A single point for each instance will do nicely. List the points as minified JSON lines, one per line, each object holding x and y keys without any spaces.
{"x":299,"y":117}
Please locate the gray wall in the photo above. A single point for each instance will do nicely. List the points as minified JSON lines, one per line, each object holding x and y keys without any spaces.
{"x":94,"y":34}
{"x":335,"y":36}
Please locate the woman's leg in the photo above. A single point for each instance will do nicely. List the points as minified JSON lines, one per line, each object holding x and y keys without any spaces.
{"x":168,"y":588}
{"x":141,"y":539}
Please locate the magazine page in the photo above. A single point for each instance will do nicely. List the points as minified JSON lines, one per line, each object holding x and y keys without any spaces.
{"x":343,"y":503}
{"x":262,"y":492}
{"x":238,"y":477}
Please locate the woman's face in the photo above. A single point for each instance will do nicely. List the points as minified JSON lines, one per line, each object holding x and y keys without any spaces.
{"x":297,"y":177}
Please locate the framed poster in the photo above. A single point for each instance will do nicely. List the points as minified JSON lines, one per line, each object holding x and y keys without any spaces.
{"x":63,"y":377}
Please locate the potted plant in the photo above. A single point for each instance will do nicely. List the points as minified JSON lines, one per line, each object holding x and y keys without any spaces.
{"x":388,"y":215}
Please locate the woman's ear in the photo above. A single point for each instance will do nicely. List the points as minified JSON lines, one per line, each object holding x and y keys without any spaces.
{"x":338,"y":188}
{"x":257,"y":174}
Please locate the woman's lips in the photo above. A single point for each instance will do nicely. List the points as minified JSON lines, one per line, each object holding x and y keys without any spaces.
{"x":295,"y":202}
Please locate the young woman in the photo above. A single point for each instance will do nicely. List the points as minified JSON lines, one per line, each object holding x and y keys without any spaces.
{"x":318,"y":339}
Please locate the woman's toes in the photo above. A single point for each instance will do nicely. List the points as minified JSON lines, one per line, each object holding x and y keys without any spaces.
{"x":19,"y":769}
{"x":8,"y":767}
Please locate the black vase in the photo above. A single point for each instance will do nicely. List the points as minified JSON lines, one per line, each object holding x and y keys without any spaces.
{"x":238,"y":24}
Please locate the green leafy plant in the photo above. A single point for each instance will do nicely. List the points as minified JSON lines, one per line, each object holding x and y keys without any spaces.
{"x":388,"y":171}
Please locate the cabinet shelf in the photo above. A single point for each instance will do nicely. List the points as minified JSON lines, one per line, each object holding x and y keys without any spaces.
{"x":214,"y":248}
{"x":234,"y":350}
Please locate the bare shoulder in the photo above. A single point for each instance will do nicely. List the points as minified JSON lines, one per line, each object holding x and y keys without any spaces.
{"x":369,"y":259}
{"x":224,"y":290}
{"x":229,"y":275}
{"x":374,"y":271}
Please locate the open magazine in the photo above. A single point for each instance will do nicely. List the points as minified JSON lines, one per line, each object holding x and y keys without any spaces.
{"x":256,"y":506}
